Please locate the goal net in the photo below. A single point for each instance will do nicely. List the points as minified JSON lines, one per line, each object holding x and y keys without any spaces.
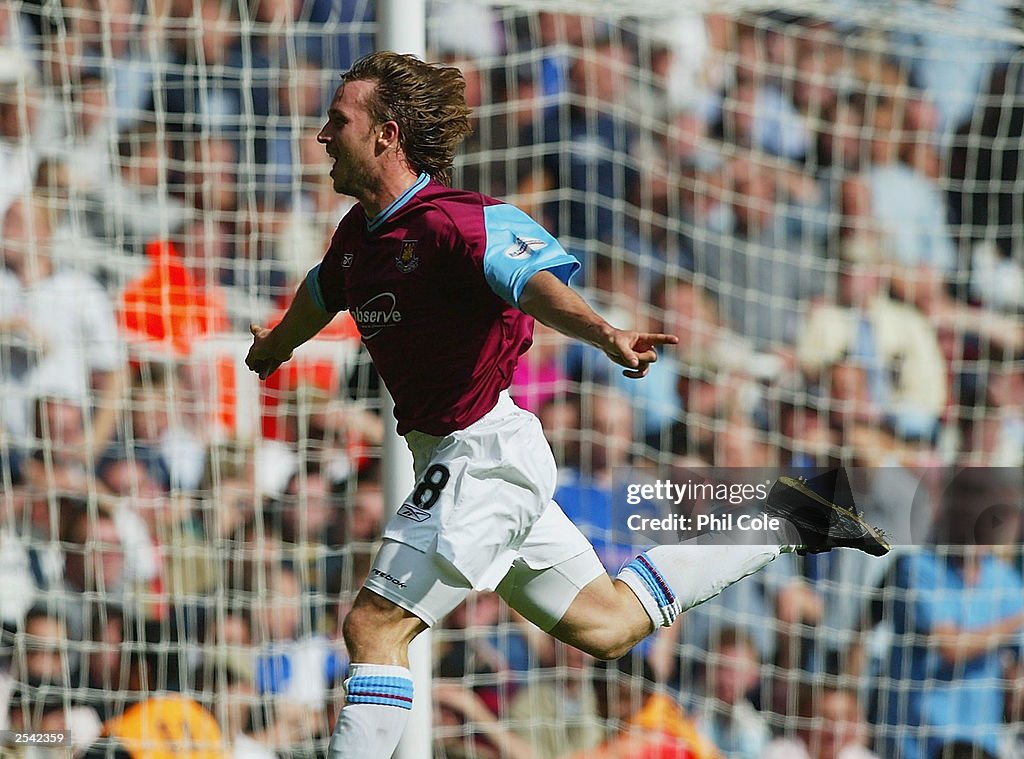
{"x":822,"y":200}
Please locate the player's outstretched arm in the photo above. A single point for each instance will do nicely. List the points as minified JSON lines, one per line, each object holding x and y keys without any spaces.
{"x":272,"y":347}
{"x":549,"y":301}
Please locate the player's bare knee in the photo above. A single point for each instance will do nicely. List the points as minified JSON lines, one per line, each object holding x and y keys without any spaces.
{"x":354,"y":629}
{"x":375,"y":627}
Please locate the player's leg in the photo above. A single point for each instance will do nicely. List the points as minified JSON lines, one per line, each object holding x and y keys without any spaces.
{"x":545,"y":597}
{"x":378,"y":690}
{"x":577,"y":601}
{"x":407,"y":591}
{"x":669,"y":579}
{"x":610,"y":616}
{"x":478,"y":491}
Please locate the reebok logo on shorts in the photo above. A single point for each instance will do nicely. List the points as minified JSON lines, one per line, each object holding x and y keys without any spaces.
{"x":411,"y":512}
{"x":389,"y":578}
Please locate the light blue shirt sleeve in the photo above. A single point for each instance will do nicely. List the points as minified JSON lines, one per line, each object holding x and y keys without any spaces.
{"x":517,"y":248}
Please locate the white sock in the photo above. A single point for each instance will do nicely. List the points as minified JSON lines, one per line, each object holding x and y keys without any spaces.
{"x":670,"y":579}
{"x":378,"y":698}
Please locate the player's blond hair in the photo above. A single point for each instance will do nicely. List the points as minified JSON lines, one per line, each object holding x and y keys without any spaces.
{"x":426,"y":100}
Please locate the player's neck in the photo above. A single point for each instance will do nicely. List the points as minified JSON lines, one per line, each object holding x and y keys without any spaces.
{"x":392,"y":187}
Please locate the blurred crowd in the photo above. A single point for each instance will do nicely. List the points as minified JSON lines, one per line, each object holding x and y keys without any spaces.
{"x":826,"y":210}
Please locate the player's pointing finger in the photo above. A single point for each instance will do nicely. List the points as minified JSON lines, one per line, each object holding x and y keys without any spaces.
{"x":658,"y":338}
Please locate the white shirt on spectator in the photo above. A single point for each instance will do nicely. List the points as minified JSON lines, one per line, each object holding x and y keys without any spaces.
{"x":75,"y":317}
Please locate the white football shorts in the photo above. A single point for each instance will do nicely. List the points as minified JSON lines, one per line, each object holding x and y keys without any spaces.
{"x":481,"y":517}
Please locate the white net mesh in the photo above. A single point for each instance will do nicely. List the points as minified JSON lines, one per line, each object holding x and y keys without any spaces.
{"x":823,"y":202}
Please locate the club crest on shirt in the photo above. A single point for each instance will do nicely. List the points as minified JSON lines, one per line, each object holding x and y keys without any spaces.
{"x":408,"y":259}
{"x":524,"y":247}
{"x":346,"y":260}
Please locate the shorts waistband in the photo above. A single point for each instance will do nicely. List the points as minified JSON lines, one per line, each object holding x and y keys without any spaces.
{"x":419,"y":440}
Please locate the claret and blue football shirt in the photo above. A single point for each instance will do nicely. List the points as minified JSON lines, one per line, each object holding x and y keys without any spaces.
{"x":433,"y":283}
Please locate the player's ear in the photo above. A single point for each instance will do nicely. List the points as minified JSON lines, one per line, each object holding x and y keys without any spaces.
{"x":387,"y":134}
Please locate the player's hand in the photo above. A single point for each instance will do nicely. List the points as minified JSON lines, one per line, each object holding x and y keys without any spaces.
{"x":636,"y":350}
{"x":263,"y":358}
